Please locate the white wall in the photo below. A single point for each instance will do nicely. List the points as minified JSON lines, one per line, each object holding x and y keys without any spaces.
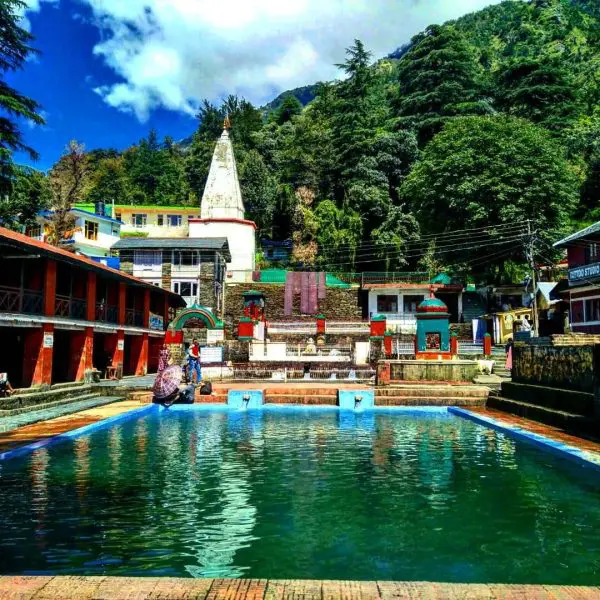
{"x":108,"y":234}
{"x":241,"y":237}
{"x":391,"y":291}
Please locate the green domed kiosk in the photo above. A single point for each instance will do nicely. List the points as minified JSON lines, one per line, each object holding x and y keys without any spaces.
{"x":433,"y":330}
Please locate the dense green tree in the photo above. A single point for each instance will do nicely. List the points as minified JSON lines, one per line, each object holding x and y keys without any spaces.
{"x":538,"y":90}
{"x":29,"y":194}
{"x":259,"y":191}
{"x":109,"y":182}
{"x":391,"y":240}
{"x":439,"y":78}
{"x":15,"y":49}
{"x":487,"y":171}
{"x":339,"y":232}
{"x":290,"y":108}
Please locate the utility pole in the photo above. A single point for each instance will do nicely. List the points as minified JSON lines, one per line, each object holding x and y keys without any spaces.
{"x":530,"y":251}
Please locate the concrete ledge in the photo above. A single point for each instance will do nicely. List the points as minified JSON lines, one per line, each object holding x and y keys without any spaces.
{"x":557,"y":448}
{"x":170,"y":588}
{"x":570,"y":401}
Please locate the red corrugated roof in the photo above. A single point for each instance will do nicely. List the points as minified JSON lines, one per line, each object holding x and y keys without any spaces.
{"x":18,"y":239}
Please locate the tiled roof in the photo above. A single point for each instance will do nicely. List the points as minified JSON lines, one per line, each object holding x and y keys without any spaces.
{"x":23,"y":242}
{"x":592,"y":229}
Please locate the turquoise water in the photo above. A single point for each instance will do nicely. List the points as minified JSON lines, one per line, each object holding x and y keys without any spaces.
{"x":300,"y":493}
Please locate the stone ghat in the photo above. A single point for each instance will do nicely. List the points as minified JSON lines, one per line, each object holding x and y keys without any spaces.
{"x":168,"y":588}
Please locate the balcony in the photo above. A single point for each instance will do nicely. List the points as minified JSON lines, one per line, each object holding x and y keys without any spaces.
{"x":584,"y":273}
{"x":414,"y":277}
{"x":106,"y":314}
{"x":17,"y":300}
{"x":72,"y":308}
{"x":134,"y":318}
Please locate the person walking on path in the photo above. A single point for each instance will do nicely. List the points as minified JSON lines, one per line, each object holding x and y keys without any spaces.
{"x":194,"y":362}
{"x":509,"y":354}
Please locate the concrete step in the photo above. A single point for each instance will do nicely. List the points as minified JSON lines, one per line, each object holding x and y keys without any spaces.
{"x":327,"y":400}
{"x":433,"y":391}
{"x":36,"y":397}
{"x":430,"y":401}
{"x":52,"y":412}
{"x":548,"y":416}
{"x":564,"y":400}
{"x":33,"y":407}
{"x":299,"y":391}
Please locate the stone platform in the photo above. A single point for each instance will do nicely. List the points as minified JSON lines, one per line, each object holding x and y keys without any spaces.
{"x":154,"y":588}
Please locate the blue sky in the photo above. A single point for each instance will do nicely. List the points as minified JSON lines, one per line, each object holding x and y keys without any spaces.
{"x":109,"y":70}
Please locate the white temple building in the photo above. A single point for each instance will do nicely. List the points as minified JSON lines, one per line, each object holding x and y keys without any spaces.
{"x":222,"y":212}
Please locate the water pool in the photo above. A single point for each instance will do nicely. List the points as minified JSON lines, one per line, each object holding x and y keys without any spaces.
{"x":298,"y":493}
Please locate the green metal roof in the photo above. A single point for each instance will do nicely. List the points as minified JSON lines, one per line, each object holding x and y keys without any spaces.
{"x":89,"y":207}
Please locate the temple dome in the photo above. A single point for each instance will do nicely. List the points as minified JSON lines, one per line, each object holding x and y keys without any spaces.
{"x":432,"y":305}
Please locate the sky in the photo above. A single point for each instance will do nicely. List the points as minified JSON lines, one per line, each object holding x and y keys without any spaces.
{"x":109,"y":70}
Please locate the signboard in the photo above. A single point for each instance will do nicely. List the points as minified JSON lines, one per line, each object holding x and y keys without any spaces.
{"x":121,"y":345}
{"x":211,"y":354}
{"x":156,"y":322}
{"x":48,"y":340}
{"x":586,"y":272}
{"x":213,"y":336}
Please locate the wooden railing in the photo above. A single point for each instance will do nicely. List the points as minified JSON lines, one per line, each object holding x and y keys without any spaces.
{"x":68,"y":307}
{"x":106,"y":314}
{"x":14,"y":299}
{"x":134,"y":318}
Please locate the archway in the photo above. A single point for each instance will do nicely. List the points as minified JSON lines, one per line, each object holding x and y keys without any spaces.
{"x":202,"y":313}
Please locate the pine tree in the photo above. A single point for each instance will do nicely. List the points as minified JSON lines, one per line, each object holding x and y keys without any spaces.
{"x":15,"y":49}
{"x":290,"y":108}
{"x":439,"y":79}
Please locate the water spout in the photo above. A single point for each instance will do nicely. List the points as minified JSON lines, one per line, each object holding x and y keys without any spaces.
{"x":357,"y":401}
{"x":246,"y":400}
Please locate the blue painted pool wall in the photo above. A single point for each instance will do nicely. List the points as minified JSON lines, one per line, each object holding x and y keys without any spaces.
{"x":549,"y":445}
{"x":132,"y":414}
{"x":235,"y":398}
{"x":347,"y":399}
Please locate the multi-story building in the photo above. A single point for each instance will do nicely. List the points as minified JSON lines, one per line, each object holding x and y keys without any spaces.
{"x":94,"y":234}
{"x":583,"y":293}
{"x":150,"y":221}
{"x":194,"y":268}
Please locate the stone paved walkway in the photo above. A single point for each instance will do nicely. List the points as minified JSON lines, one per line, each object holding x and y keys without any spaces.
{"x":151,"y":588}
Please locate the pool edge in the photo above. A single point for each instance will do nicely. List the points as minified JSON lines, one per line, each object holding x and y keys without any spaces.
{"x":73,"y":433}
{"x":581,"y":457}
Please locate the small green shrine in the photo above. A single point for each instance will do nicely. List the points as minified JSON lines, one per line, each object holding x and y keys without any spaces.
{"x":433,"y":330}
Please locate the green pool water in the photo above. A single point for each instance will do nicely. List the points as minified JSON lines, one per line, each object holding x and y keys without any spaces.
{"x":300,"y":493}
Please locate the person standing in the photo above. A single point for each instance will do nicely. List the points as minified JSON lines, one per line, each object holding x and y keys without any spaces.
{"x":194,"y":362}
{"x":509,"y":354}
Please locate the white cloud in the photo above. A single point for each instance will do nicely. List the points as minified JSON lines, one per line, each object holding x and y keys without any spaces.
{"x":174,"y":53}
{"x":32,"y":6}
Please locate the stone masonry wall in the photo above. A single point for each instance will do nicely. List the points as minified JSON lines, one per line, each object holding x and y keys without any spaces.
{"x":339,"y":305}
{"x":566,"y":367}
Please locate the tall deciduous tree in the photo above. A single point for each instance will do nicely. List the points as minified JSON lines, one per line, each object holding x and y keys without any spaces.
{"x":29,"y":194}
{"x":15,"y":49}
{"x":67,"y":180}
{"x":439,"y":78}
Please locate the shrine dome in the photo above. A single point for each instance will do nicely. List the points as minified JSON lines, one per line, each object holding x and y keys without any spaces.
{"x":432,"y":305}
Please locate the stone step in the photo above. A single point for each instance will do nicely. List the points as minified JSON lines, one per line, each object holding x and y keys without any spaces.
{"x":299,"y":391}
{"x":433,"y":391}
{"x":44,"y":414}
{"x":430,"y":401}
{"x":36,"y":397}
{"x":565,"y":400}
{"x":548,"y":416}
{"x":301,"y":399}
{"x":33,"y":407}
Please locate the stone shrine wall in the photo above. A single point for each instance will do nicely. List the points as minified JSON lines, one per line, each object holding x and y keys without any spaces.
{"x":340,"y":304}
{"x":566,"y":367}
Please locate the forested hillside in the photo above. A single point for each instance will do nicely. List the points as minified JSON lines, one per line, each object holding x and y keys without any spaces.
{"x":482,"y":123}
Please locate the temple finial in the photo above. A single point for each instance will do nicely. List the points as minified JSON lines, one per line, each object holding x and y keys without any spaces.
{"x":227,"y":123}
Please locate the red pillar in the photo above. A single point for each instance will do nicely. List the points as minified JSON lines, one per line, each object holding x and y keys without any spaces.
{"x":91,"y":296}
{"x":146,"y":310}
{"x":37,"y":367}
{"x":117,"y":346}
{"x":387,"y":345}
{"x":81,"y":353}
{"x":487,"y":344}
{"x":121,"y":302}
{"x":454,"y":344}
{"x":141,"y":356}
{"x":50,"y":288}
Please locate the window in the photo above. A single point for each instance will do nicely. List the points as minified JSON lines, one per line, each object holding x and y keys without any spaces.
{"x":115,"y":231}
{"x":387,"y":304}
{"x":592,"y":253}
{"x":592,"y":310}
{"x":186,"y":258}
{"x":91,"y":230}
{"x":160,"y":220}
{"x":138,"y":220}
{"x":35,"y":231}
{"x":411,"y":303}
{"x":174,"y":220}
{"x":118,"y":216}
{"x":186,"y":288}
{"x":147,"y":259}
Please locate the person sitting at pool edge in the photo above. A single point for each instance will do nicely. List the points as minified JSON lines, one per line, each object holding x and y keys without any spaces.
{"x":194,"y":362}
{"x":5,"y":388}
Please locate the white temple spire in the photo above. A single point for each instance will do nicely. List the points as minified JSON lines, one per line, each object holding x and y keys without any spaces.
{"x":222,"y":198}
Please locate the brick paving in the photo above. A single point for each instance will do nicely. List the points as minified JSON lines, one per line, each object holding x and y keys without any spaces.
{"x":154,"y":588}
{"x":549,"y":431}
{"x":22,"y":436}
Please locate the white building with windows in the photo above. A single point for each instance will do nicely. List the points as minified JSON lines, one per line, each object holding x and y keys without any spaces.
{"x":194,"y":268}
{"x":94,"y":233}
